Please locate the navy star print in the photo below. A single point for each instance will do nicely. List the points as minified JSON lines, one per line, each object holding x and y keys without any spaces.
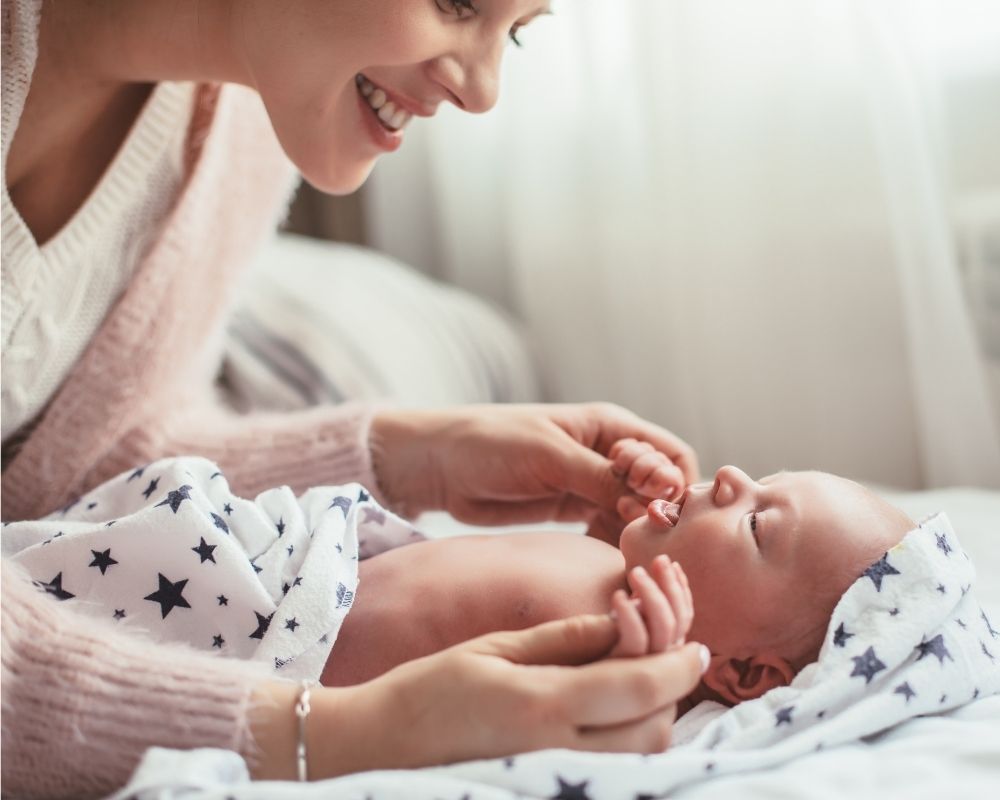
{"x":571,"y":791}
{"x":102,"y":560}
{"x":151,"y":488}
{"x":228,"y":509}
{"x":343,"y":503}
{"x":54,"y":587}
{"x":905,"y":690}
{"x":169,"y":595}
{"x":291,"y":624}
{"x":942,"y":543}
{"x":867,"y":665}
{"x":176,"y":497}
{"x":840,"y":636}
{"x":879,"y":570}
{"x":986,"y":619}
{"x":218,"y":641}
{"x":784,"y":716}
{"x":263,"y":623}
{"x":136,"y":474}
{"x":280,"y":526}
{"x":119,"y":614}
{"x":220,"y":523}
{"x":934,"y":647}
{"x":205,"y":551}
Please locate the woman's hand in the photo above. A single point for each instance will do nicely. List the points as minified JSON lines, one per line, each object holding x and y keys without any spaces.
{"x":658,"y":616}
{"x":493,"y":696}
{"x":499,"y":464}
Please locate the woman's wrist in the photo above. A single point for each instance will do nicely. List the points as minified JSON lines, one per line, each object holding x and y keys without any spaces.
{"x":404,"y":446}
{"x":274,"y":730}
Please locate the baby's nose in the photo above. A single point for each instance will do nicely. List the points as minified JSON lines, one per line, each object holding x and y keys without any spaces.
{"x":729,"y":483}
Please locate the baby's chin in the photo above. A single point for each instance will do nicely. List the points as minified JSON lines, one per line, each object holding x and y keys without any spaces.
{"x":638,"y":545}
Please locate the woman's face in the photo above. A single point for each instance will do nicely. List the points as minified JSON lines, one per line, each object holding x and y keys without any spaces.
{"x":321,"y":65}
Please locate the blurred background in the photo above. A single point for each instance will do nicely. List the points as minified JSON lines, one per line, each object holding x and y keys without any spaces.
{"x":772,"y":227}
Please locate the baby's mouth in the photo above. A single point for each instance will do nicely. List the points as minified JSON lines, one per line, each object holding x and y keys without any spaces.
{"x":664,"y":512}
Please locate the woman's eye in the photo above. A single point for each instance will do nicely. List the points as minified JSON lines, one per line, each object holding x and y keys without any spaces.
{"x":461,"y":8}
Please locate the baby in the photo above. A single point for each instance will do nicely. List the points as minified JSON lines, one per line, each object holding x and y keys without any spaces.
{"x":764,"y":564}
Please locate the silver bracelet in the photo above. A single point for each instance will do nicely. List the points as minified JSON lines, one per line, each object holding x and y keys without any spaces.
{"x":302,"y":711}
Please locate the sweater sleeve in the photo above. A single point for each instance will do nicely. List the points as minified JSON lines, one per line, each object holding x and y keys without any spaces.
{"x":319,"y":446}
{"x":82,"y":701}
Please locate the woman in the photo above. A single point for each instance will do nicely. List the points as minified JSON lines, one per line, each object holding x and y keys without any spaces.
{"x":141,"y":170}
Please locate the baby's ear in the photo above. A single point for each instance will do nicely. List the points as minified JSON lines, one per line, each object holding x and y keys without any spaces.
{"x":736,"y":680}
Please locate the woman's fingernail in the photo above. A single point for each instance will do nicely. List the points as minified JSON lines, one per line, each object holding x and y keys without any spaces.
{"x":706,"y":658}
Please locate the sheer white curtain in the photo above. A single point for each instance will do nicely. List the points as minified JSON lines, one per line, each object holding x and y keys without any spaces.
{"x":740,"y":220}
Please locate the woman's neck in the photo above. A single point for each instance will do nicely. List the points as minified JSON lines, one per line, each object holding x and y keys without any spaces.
{"x":121,"y":41}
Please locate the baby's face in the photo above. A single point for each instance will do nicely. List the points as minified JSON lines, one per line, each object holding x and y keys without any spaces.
{"x":767,"y":560}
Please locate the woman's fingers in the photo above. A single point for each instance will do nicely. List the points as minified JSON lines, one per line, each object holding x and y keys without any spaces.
{"x":616,"y":691}
{"x":651,"y":734}
{"x":660,"y":619}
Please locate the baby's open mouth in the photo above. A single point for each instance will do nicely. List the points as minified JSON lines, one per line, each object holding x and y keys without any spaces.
{"x":665,"y":512}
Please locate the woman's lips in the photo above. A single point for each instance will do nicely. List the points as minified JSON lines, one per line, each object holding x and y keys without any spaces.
{"x":664,"y":512}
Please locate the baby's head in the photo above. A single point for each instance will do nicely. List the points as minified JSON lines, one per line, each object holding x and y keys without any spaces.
{"x":767,"y":561}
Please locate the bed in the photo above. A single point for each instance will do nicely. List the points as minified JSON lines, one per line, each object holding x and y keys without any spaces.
{"x":477,"y":357}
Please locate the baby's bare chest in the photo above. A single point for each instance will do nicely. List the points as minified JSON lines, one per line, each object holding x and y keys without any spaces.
{"x":421,"y":598}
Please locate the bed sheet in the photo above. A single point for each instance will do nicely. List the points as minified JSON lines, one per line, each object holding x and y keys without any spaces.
{"x":956,"y":754}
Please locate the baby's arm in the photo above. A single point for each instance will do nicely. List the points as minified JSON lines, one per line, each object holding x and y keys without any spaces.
{"x":658,"y":615}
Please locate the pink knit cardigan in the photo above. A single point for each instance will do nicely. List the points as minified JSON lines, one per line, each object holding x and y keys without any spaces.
{"x":81,"y":701}
{"x":142,"y":389}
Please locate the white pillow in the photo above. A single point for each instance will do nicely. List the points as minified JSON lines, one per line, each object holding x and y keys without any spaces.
{"x":321,"y":322}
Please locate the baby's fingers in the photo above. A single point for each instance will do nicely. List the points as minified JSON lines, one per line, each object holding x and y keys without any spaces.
{"x":660,"y":619}
{"x":624,"y":453}
{"x":669,"y":577}
{"x":632,"y":638}
{"x":654,"y":475}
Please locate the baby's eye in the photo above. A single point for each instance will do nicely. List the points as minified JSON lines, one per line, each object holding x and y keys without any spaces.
{"x":753,"y":521}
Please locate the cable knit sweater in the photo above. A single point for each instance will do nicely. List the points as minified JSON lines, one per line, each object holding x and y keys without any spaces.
{"x":81,"y":701}
{"x":143,"y":387}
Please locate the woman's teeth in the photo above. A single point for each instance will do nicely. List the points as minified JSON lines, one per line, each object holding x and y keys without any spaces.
{"x":391,"y":117}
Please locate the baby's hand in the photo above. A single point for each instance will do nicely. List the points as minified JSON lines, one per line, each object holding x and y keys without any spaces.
{"x":658,"y":615}
{"x":648,"y":473}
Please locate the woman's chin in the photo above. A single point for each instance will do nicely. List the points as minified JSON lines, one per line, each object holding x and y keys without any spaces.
{"x":343,"y":180}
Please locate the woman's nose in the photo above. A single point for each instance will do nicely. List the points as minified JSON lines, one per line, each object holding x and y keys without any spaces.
{"x":472,"y":80}
{"x":730,"y":484}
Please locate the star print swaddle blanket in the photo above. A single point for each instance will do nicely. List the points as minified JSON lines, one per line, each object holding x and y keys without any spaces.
{"x":170,"y":550}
